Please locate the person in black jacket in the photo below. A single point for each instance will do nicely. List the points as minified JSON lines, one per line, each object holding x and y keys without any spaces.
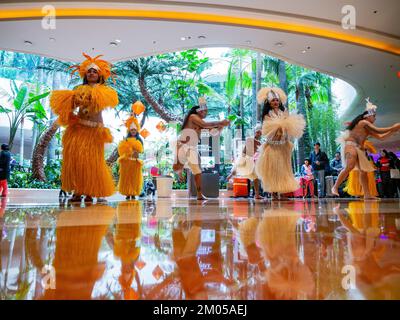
{"x":396,"y":165}
{"x":319,"y":162}
{"x":5,"y":158}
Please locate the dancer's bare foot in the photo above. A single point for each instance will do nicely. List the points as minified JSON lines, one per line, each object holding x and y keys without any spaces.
{"x":335,"y":191}
{"x":258,"y":197}
{"x":372,"y":198}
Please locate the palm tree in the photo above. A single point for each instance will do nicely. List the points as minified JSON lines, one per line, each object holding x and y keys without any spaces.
{"x":144,"y":68}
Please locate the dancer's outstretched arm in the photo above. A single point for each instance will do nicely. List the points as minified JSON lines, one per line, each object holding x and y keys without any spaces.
{"x":383,"y":136}
{"x":208,"y":125}
{"x":373,"y":129}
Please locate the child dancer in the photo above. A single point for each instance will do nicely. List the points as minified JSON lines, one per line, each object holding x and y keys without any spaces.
{"x":130,"y":166}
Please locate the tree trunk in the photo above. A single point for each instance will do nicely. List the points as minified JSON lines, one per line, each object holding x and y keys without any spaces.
{"x":40,"y":150}
{"x":254,"y":104}
{"x":159,"y":109}
{"x":113,"y":157}
{"x":282,"y":77}
{"x":241,"y":97}
{"x":22,"y":142}
{"x":51,"y":151}
{"x":304,"y":142}
{"x":258,"y":83}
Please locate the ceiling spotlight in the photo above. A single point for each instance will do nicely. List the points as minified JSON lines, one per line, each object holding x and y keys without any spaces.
{"x":280,"y":44}
{"x":349,"y":65}
{"x":117,"y":40}
{"x":113,"y":44}
{"x":154,"y":41}
{"x":248,"y":41}
{"x":201,"y":37}
{"x":28,"y":43}
{"x":375,"y":11}
{"x":303,"y":51}
{"x":186,"y":38}
{"x":52,"y":39}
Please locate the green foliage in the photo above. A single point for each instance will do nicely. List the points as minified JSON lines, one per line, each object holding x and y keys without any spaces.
{"x":25,"y":104}
{"x":20,"y":179}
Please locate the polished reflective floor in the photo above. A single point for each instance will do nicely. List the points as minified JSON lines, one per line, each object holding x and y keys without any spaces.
{"x":187,"y":249}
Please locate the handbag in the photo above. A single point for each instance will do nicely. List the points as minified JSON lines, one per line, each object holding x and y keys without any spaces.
{"x":394,"y":173}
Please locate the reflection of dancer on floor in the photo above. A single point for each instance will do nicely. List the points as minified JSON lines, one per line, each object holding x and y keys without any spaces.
{"x":245,"y":165}
{"x":84,"y":169}
{"x":187,"y":155}
{"x":274,"y":165}
{"x":353,"y":140}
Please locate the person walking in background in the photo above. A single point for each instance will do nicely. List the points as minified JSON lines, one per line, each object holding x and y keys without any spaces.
{"x":5,"y":159}
{"x":319,"y":161}
{"x":385,"y":163}
{"x":307,"y":178}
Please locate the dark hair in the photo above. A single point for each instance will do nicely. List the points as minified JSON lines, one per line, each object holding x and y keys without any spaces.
{"x":193,"y":110}
{"x":137,"y":136}
{"x":100,"y":80}
{"x":386,"y":153}
{"x":309,"y":161}
{"x":267,"y":108}
{"x":356,"y":120}
{"x":317,"y":144}
{"x":5,"y":147}
{"x":337,"y":152}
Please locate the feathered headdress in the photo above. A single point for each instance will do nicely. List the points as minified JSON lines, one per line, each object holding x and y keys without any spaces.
{"x":132,"y":122}
{"x":370,"y":108}
{"x":202,"y":104}
{"x":270,"y":94}
{"x":103,"y":67}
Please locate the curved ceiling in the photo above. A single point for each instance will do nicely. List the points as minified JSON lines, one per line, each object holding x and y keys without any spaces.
{"x":367,"y":57}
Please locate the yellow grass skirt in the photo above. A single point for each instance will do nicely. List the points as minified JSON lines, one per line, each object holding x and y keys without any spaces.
{"x":353,"y":185}
{"x":274,"y":168}
{"x":130,"y":176}
{"x":84,"y":170}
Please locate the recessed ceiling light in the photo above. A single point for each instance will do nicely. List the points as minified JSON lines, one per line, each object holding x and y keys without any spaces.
{"x":248,"y":41}
{"x":52,"y":39}
{"x":113,"y":44}
{"x":375,"y":11}
{"x":349,"y":65}
{"x":117,"y":40}
{"x":154,"y":41}
{"x":186,"y":38}
{"x":303,"y":51}
{"x":201,"y":37}
{"x":279,"y":44}
{"x":28,"y":43}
